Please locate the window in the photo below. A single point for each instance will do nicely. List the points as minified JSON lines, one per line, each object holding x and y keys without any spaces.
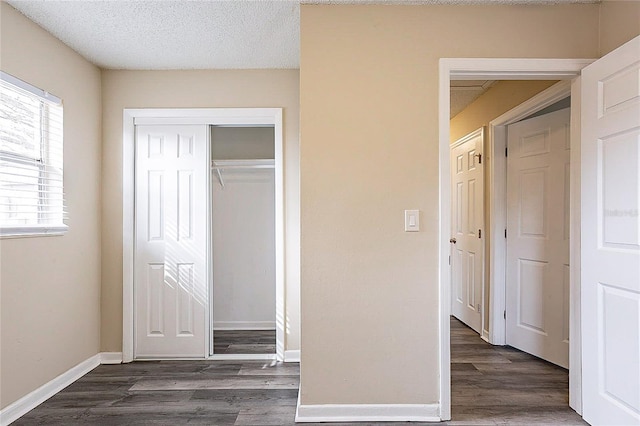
{"x":31,"y":191}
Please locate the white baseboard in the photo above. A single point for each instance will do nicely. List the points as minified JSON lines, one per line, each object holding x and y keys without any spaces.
{"x":292,"y":356}
{"x":367,"y":413}
{"x":30,"y":401}
{"x":244,"y":325}
{"x":110,"y":357}
{"x":19,"y":408}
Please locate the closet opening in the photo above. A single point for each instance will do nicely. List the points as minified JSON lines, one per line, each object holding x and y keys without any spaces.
{"x":192,"y":175}
{"x":243,"y":242}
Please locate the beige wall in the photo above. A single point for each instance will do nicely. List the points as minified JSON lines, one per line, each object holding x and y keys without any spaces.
{"x":192,"y":89}
{"x":619,"y":23}
{"x":50,"y":286}
{"x":500,"y":98}
{"x":369,"y":143}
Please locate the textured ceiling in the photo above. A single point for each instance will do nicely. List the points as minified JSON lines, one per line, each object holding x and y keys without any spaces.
{"x":194,"y":34}
{"x":464,"y":92}
{"x":174,"y":34}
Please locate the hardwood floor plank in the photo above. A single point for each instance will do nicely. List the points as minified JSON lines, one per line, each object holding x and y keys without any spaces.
{"x":246,"y":398}
{"x":222,"y":382}
{"x":516,"y":368}
{"x":480,"y":357}
{"x":258,"y":348}
{"x":53,"y":416}
{"x":266,"y":416}
{"x":162,"y":368}
{"x":164,"y":419}
{"x":78,"y":400}
{"x":476,"y":398}
{"x":89,"y":383}
{"x":153,"y":398}
{"x":509,"y":380}
{"x":271,"y":369}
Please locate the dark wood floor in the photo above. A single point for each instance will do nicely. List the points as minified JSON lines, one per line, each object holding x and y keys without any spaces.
{"x":500,"y":385}
{"x":244,"y":342}
{"x":490,"y":386}
{"x":176,"y":393}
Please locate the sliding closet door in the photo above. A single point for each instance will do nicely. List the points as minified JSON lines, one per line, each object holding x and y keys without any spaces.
{"x":170,"y":283}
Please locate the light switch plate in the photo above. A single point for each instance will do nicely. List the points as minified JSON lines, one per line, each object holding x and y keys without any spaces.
{"x":411,"y":220}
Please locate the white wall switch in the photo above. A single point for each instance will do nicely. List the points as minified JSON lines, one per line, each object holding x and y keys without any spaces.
{"x":411,"y":220}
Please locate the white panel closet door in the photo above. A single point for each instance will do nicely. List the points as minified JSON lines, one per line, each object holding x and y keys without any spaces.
{"x":467,"y":207}
{"x":170,"y":282}
{"x":538,"y":236}
{"x":611,"y":238}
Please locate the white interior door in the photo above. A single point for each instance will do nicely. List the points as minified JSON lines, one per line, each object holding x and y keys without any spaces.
{"x":170,"y":281}
{"x":611,"y":238}
{"x":467,"y":223}
{"x":537,"y":290}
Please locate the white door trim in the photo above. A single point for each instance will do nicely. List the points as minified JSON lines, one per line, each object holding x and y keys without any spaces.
{"x":211,"y":116}
{"x":473,"y":69}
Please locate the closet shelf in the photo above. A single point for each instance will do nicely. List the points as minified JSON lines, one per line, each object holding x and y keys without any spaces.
{"x":221,"y":165}
{"x":242,"y":164}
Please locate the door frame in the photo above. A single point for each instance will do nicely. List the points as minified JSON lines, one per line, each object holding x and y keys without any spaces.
{"x":196,"y":116}
{"x":503,"y":69}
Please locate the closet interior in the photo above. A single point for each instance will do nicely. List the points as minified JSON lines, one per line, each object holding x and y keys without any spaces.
{"x":243,"y":240}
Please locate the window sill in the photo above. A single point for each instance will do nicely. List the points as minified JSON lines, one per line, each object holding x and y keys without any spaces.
{"x":32,"y":231}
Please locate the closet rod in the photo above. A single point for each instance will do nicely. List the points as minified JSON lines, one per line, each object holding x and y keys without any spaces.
{"x":220,"y":165}
{"x":257,"y":166}
{"x":242,"y":164}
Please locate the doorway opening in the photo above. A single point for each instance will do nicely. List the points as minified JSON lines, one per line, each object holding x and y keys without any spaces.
{"x":498,"y":69}
{"x":243,"y":284}
{"x":536,"y":318}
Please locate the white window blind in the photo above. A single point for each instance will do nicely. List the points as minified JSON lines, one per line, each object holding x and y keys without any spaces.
{"x":31,"y":161}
